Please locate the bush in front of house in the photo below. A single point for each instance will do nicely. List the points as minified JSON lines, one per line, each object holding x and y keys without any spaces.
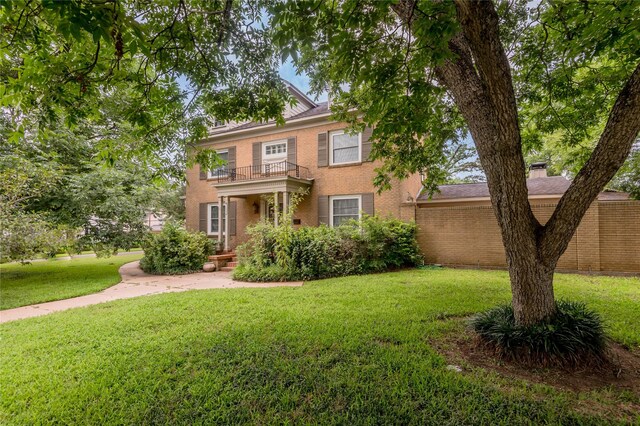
{"x":175,"y":251}
{"x":282,"y":253}
{"x":574,"y":336}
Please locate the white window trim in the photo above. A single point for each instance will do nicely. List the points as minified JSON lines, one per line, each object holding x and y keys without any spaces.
{"x":275,"y":157}
{"x":344,"y":197}
{"x":220,"y":211}
{"x":210,"y":174}
{"x":342,"y":132}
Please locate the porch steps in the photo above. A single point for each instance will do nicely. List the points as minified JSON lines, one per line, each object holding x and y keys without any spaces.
{"x":225,"y":261}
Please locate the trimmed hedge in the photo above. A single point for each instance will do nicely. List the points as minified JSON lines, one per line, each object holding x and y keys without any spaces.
{"x":281,"y":253}
{"x":175,"y":251}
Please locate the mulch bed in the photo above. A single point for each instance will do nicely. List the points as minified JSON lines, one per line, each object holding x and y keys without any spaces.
{"x":623,"y":371}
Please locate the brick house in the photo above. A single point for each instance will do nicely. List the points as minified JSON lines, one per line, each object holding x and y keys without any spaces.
{"x":309,"y":152}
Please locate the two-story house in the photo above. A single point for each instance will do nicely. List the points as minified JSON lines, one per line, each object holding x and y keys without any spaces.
{"x":309,"y":152}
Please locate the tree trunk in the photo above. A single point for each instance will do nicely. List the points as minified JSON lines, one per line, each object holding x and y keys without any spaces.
{"x":479,"y":79}
{"x":531,"y":289}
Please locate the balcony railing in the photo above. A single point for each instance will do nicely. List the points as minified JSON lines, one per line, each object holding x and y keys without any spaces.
{"x":263,"y":171}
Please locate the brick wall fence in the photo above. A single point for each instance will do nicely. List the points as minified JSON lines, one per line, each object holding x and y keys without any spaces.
{"x":608,"y":238}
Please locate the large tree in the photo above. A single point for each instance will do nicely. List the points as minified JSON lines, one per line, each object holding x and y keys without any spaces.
{"x":420,"y":70}
{"x":178,"y":63}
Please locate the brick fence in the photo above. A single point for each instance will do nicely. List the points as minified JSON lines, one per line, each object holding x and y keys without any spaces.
{"x":608,"y":238}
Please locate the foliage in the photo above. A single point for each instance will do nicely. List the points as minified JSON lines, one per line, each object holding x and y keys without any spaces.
{"x":25,"y":234}
{"x":364,"y":344}
{"x":175,"y":250}
{"x":628,"y":178}
{"x":574,"y":336}
{"x":171,"y":67}
{"x":55,"y":279}
{"x":281,"y":253}
{"x":56,"y":177}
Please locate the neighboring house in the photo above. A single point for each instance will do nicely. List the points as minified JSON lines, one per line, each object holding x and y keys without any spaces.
{"x":155,"y":221}
{"x":458,"y":226}
{"x":310,"y":152}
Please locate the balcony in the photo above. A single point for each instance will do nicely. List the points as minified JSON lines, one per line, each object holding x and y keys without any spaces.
{"x":263,"y":171}
{"x":282,"y":176}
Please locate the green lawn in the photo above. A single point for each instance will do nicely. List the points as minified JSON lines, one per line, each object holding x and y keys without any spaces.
{"x":351,"y":350}
{"x":39,"y":282}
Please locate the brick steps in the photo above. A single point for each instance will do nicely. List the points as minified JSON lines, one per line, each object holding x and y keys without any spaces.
{"x":225,"y":261}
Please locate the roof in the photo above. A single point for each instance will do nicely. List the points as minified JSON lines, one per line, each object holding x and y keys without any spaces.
{"x":320,"y":108}
{"x":551,"y":186}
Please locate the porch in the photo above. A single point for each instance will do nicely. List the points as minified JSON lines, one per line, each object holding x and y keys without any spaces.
{"x":279,"y":179}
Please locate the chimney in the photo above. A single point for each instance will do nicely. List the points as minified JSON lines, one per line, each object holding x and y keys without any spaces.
{"x":538,"y":170}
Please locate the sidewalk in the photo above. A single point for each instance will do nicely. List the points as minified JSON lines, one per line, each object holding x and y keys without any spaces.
{"x":137,"y":283}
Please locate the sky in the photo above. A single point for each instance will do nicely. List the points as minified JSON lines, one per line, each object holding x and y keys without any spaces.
{"x":301,"y":81}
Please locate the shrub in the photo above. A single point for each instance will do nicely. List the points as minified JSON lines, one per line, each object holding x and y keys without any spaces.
{"x":175,"y":251}
{"x":573,"y":336}
{"x":279,"y":253}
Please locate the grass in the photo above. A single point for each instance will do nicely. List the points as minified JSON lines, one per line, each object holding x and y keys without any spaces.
{"x":46,"y":281}
{"x":349,"y":350}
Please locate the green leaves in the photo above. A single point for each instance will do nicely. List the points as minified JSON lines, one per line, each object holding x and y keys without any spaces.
{"x":173,"y":64}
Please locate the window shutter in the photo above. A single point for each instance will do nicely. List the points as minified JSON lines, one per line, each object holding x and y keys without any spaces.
{"x":203,"y":174}
{"x":291,"y":152}
{"x":231,"y":160}
{"x":257,"y":155}
{"x":323,"y":150}
{"x":367,"y":203}
{"x":366,"y":143}
{"x":233,"y":208}
{"x":203,"y":217}
{"x":323,"y":209}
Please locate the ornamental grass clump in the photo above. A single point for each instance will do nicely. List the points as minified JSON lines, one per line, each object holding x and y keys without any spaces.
{"x":574,"y":336}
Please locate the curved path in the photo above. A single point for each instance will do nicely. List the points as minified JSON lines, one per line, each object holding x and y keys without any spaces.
{"x":137,"y":283}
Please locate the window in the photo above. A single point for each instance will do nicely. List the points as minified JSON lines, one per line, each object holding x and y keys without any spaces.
{"x":218,"y":123}
{"x":274,"y":151}
{"x":222,"y":170}
{"x":344,"y":148}
{"x":344,"y":208}
{"x":214,"y":214}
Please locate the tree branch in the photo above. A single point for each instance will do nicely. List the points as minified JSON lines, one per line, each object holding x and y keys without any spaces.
{"x":613,"y":148}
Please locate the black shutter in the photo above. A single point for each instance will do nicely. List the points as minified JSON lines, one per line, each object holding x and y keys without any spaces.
{"x":366,"y":143}
{"x":203,"y":174}
{"x":323,"y":209}
{"x":323,"y":150}
{"x":203,"y":217}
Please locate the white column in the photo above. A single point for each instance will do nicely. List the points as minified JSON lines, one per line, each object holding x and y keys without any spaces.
{"x":276,"y":209}
{"x":226,"y":223}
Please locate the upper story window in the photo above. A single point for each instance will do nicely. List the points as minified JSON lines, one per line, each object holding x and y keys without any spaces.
{"x":344,"y":148}
{"x":218,"y":123}
{"x":274,"y":151}
{"x":222,"y":170}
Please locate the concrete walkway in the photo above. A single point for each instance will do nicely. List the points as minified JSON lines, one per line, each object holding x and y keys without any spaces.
{"x":136,"y":283}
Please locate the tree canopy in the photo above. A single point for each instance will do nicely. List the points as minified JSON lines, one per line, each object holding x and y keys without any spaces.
{"x":422,"y":72}
{"x":178,"y":64}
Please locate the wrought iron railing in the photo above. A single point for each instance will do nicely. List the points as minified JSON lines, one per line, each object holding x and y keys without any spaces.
{"x":262,"y":171}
